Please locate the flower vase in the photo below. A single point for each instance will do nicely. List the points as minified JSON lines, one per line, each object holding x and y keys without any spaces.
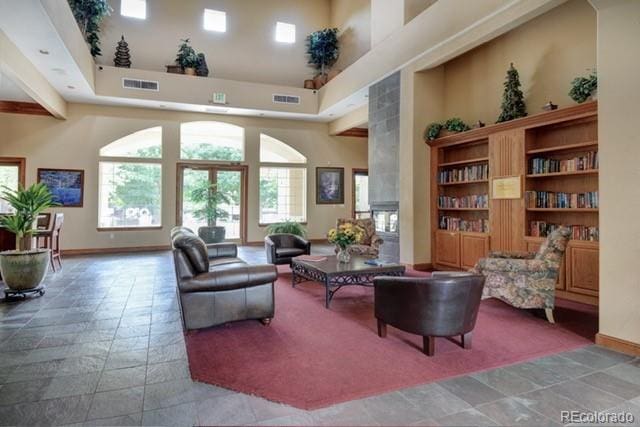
{"x":343,"y":255}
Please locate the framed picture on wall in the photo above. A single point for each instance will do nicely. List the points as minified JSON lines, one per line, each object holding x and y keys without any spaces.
{"x":329,"y":186}
{"x":66,"y":185}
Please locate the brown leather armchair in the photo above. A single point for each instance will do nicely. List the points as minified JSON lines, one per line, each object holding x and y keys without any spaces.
{"x":281,"y":248}
{"x":215,"y":286}
{"x":431,"y":307}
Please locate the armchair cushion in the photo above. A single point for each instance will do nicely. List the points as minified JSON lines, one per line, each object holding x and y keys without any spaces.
{"x":511,"y":255}
{"x":289,"y":252}
{"x":503,"y":265}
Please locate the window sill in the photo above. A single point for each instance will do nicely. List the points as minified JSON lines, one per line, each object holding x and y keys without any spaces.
{"x":157,"y":227}
{"x":277,"y":222}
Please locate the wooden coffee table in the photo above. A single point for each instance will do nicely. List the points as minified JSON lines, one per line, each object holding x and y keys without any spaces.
{"x":335,"y":275}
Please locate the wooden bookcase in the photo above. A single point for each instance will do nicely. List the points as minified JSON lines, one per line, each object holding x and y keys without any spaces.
{"x":508,"y":149}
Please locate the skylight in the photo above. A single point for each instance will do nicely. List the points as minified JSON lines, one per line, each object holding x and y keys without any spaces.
{"x":285,"y":33}
{"x":134,"y":8}
{"x":215,"y":20}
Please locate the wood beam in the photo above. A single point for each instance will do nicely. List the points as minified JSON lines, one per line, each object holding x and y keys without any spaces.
{"x":16,"y":107}
{"x":357,"y":132}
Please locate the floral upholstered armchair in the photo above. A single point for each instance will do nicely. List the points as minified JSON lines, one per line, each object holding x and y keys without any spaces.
{"x":369,"y":245}
{"x":526,"y":280}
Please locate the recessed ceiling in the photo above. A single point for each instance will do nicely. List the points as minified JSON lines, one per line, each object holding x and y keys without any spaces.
{"x":9,"y":91}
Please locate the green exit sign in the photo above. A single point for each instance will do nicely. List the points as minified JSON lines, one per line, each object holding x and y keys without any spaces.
{"x":219,"y":98}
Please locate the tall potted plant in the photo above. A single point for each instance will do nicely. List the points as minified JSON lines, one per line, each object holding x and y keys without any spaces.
{"x":287,"y":226}
{"x":210,"y":199}
{"x":89,"y":15}
{"x":187,"y":58}
{"x":24,"y":268}
{"x":323,"y":52}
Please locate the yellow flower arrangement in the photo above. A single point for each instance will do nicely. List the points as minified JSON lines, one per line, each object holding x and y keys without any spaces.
{"x":345,"y":235}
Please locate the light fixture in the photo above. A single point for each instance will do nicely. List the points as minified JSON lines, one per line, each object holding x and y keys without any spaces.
{"x":44,"y":51}
{"x":59,"y":70}
{"x":71,"y":87}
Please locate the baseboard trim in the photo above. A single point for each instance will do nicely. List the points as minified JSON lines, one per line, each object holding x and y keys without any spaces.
{"x":618,"y":344}
{"x":425,"y":266}
{"x":94,"y":251}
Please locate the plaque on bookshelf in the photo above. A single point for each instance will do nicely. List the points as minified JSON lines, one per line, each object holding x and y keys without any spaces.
{"x":506,"y":187}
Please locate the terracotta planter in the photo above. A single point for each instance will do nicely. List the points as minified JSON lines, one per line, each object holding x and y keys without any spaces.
{"x":331,"y":74}
{"x":23,"y":270}
{"x":445,"y":132}
{"x":190,"y":71}
{"x":174,"y":69}
{"x":309,"y":84}
{"x":212,"y":234}
{"x":319,"y":81}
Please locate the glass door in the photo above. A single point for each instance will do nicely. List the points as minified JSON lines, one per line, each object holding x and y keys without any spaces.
{"x":229,"y":181}
{"x":361,"y":207}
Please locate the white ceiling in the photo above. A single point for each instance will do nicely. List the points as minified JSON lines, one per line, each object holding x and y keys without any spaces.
{"x":9,"y":91}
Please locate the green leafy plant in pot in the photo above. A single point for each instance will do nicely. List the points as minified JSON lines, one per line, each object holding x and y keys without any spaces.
{"x":287,"y":227}
{"x":187,"y":58}
{"x":25,"y":268}
{"x":210,"y":199}
{"x":583,"y":88}
{"x":323,"y":51}
{"x":89,"y":15}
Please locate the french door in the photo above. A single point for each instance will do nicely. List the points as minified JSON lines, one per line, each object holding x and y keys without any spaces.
{"x":231,"y":181}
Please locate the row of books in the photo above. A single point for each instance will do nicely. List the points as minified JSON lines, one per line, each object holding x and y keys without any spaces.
{"x":578,"y":232}
{"x":472,"y":201}
{"x":458,"y":224}
{"x":468,"y":173}
{"x":550,"y":199}
{"x":541,"y":165}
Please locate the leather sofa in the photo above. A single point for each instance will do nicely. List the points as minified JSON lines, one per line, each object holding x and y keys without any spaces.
{"x":215,"y":286}
{"x":430,"y":307}
{"x":281,"y":248}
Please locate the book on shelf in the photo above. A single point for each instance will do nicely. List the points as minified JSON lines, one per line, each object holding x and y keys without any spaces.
{"x":551,"y":199}
{"x":542,"y":165}
{"x":468,"y":173}
{"x":478,"y":201}
{"x":578,"y":232}
{"x":458,"y":224}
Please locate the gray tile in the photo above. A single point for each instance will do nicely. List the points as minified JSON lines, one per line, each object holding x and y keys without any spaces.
{"x":563,"y":366}
{"x":266,"y":410}
{"x":122,"y":378}
{"x":537,"y":374}
{"x":166,"y":339}
{"x":471,"y":390}
{"x":111,"y":404}
{"x":510,"y":411}
{"x":469,"y":417}
{"x":301,"y":419}
{"x":35,"y":371}
{"x":434,"y":401}
{"x":393,"y":408}
{"x":126,"y":359}
{"x":588,"y":396}
{"x":29,"y":391}
{"x":549,"y":404}
{"x":125,"y":420}
{"x":181,"y":415}
{"x":505,"y":382}
{"x":81,"y":365}
{"x":227,"y":410}
{"x":171,"y":393}
{"x":66,"y":410}
{"x":596,"y":360}
{"x":169,"y":371}
{"x":129,"y":344}
{"x":167,"y":353}
{"x":613,"y":385}
{"x":132,"y":331}
{"x":344,"y":414}
{"x":626,"y":372}
{"x":72,"y":385}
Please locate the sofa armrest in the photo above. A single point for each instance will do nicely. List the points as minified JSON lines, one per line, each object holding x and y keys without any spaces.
{"x":270,"y":248}
{"x":511,"y":255}
{"x":302,"y":243}
{"x":222,"y":250}
{"x":497,"y":265}
{"x":239,"y":277}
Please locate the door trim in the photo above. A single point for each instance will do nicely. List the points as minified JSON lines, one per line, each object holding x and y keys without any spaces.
{"x":212,"y":167}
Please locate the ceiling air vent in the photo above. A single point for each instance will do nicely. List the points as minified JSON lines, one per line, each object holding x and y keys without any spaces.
{"x":286,"y":99}
{"x":140,"y":84}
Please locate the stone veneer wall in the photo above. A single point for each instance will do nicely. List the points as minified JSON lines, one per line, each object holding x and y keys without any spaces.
{"x":384,"y":145}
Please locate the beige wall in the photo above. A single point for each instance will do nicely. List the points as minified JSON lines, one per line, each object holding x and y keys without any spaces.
{"x":247,"y":51}
{"x":413,"y":8}
{"x":353,"y":19}
{"x":75,"y":142}
{"x":386,"y":17}
{"x":619,"y":149}
{"x":548,"y":51}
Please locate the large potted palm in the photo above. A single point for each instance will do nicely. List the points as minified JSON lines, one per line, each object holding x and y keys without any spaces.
{"x":23,"y":269}
{"x":209,"y":200}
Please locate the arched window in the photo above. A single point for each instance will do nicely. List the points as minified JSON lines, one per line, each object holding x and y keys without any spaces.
{"x":130,"y":181}
{"x":211,"y":141}
{"x":283,"y":182}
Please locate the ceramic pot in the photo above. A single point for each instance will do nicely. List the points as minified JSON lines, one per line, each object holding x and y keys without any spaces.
{"x":212,"y":234}
{"x":343,"y":255}
{"x":319,"y":80}
{"x":23,"y":270}
{"x":308,"y":84}
{"x":174,"y":69}
{"x":190,"y":71}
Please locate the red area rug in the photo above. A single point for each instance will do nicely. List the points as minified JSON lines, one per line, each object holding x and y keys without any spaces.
{"x":311,"y":357}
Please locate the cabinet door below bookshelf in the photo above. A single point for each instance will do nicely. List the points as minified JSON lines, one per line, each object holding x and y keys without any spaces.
{"x":473,"y":246}
{"x":448,"y":248}
{"x":533,"y":246}
{"x":583,"y":271}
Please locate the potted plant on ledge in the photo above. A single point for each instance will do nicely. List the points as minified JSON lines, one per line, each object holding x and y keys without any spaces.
{"x":210,"y":199}
{"x":323,"y":52}
{"x":187,"y":58}
{"x":24,"y":269}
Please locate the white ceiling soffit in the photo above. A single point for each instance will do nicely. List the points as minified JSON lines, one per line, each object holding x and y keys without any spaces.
{"x":9,"y":91}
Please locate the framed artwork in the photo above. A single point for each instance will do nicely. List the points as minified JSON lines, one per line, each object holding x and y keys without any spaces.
{"x":66,"y":185}
{"x":329,"y":186}
{"x":508,"y":187}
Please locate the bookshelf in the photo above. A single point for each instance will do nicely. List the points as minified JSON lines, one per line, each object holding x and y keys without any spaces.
{"x":556,"y":155}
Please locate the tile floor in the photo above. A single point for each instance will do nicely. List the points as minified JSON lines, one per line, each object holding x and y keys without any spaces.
{"x":104,"y":346}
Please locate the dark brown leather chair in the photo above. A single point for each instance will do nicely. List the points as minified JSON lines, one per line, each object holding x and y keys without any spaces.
{"x":431,"y":307}
{"x":281,"y":248}
{"x":215,"y":286}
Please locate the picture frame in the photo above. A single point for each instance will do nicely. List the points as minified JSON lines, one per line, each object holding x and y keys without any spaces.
{"x":506,"y":187}
{"x":66,"y":185}
{"x":329,"y":186}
